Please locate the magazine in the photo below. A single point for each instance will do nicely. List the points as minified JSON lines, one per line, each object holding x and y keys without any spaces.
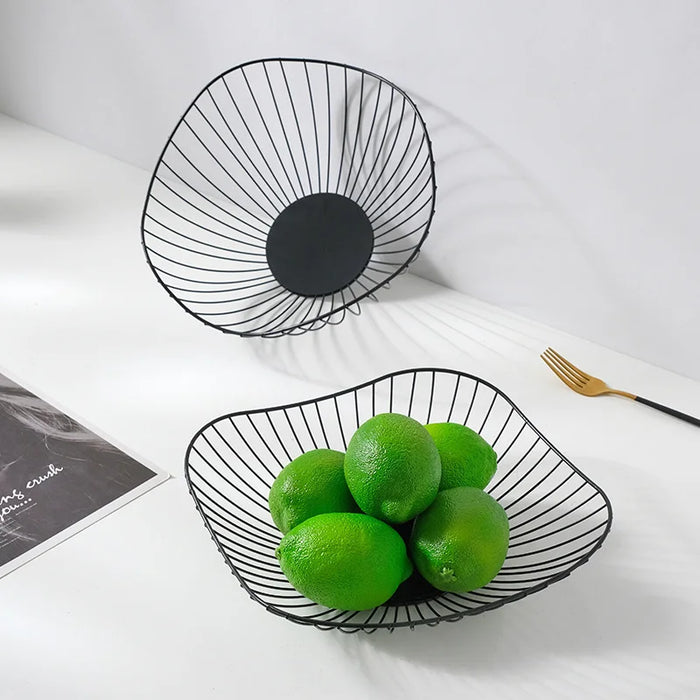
{"x":56,"y":476}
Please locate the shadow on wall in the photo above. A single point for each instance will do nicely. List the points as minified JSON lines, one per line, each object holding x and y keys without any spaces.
{"x":497,"y":236}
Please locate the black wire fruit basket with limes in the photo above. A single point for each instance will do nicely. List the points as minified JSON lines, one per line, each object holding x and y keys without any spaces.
{"x":290,"y":190}
{"x":558,"y":517}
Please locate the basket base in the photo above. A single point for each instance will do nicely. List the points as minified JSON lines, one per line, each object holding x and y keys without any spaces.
{"x":319,"y":244}
{"x":414,"y":589}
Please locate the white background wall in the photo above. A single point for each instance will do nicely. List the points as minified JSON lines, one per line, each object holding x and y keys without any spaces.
{"x":566,"y":132}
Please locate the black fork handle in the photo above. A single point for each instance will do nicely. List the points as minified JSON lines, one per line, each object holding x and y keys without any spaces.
{"x":670,"y":411}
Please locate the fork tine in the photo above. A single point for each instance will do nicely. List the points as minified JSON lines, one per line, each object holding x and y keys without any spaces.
{"x":571,"y":366}
{"x":563,"y":367}
{"x":559,"y":374}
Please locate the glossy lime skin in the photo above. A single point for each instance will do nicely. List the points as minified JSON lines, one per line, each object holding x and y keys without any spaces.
{"x":348,"y":561}
{"x":460,"y":542}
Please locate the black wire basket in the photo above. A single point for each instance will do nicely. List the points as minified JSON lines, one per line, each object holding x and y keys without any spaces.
{"x":289,"y":190}
{"x":558,"y":516}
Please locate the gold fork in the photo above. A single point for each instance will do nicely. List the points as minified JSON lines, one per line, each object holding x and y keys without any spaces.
{"x":588,"y":385}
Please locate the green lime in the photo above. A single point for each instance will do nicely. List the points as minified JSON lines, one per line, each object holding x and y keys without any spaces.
{"x":460,"y":542}
{"x":466,"y":458}
{"x":348,"y":561}
{"x":392,"y":467}
{"x":311,"y":484}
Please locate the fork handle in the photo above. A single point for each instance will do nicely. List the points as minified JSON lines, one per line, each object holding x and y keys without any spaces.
{"x":670,"y":411}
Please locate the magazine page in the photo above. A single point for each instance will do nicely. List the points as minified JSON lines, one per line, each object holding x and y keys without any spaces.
{"x":56,"y":476}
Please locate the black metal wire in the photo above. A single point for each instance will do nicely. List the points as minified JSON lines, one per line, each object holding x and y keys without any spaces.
{"x":558,"y":516}
{"x":256,"y":139}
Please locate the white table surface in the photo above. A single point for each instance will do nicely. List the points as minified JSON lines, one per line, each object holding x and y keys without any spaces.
{"x":141,"y":604}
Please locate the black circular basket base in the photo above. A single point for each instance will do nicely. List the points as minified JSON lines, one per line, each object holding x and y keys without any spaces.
{"x":319,"y":244}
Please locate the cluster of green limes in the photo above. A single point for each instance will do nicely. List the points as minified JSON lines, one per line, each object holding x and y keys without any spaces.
{"x":338,"y":511}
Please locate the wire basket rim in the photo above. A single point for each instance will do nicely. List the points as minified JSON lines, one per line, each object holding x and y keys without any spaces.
{"x":431,"y":622}
{"x":369,"y":292}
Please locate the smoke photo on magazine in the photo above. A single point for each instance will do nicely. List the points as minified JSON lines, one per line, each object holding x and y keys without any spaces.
{"x":56,"y":476}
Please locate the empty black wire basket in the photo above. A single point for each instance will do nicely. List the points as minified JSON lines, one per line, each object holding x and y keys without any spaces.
{"x":290,"y":190}
{"x":558,"y":516}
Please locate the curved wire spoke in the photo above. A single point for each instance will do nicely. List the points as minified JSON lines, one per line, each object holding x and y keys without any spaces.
{"x":328,"y":164}
{"x":230,"y":176}
{"x":369,"y":203}
{"x":192,"y":205}
{"x":386,"y":157}
{"x":211,"y":286}
{"x":234,"y":300}
{"x":369,"y":141}
{"x":400,"y":238}
{"x":357,"y":133}
{"x":288,"y":296}
{"x":293,"y":300}
{"x":195,"y":225}
{"x":256,"y":142}
{"x":412,"y":215}
{"x":225,"y":144}
{"x":259,"y":296}
{"x":380,"y":147}
{"x":206,"y":269}
{"x":345,"y":128}
{"x":390,"y":198}
{"x":218,"y":206}
{"x":409,"y":189}
{"x":296,"y":121}
{"x":272,"y":190}
{"x":313,"y":120}
{"x":198,"y":242}
{"x":284,"y":131}
{"x":225,"y":194}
